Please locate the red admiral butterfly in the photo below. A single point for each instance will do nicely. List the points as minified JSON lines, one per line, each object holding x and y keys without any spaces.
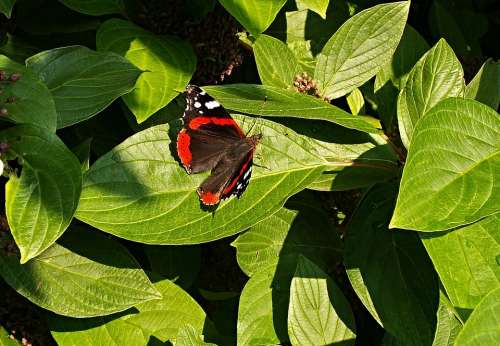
{"x":211,"y":140}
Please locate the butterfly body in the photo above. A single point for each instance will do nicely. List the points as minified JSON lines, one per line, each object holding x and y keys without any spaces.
{"x":211,"y":140}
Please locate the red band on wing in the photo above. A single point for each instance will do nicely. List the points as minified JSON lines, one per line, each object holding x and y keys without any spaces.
{"x":242,"y":171}
{"x":197,"y":122}
{"x":183,"y":142}
{"x":209,"y":198}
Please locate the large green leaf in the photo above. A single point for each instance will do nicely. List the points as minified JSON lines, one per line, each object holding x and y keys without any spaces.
{"x":95,"y":7}
{"x":254,"y":15}
{"x":318,"y":6}
{"x":287,"y":232}
{"x":466,"y":261}
{"x":277,"y":102}
{"x":41,"y":202}
{"x":140,"y":192}
{"x":483,"y":326}
{"x":83,"y":82}
{"x":168,"y":61}
{"x":275,"y":61}
{"x":485,"y":87}
{"x":411,"y":48}
{"x":436,"y":76}
{"x":33,"y":103}
{"x":361,"y":46}
{"x":318,"y":312}
{"x":355,"y":159}
{"x":452,"y":163}
{"x":6,"y":7}
{"x":84,"y":274}
{"x":390,"y":271}
{"x":159,"y":319}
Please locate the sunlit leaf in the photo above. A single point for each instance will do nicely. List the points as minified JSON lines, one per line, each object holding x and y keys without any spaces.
{"x":168,"y":63}
{"x":83,"y":82}
{"x":436,"y":76}
{"x":254,"y":15}
{"x":449,"y":178}
{"x":139,"y":191}
{"x":40,"y":203}
{"x":84,"y":274}
{"x":360,"y":47}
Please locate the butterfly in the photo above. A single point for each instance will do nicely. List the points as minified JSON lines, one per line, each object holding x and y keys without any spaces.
{"x":211,"y":140}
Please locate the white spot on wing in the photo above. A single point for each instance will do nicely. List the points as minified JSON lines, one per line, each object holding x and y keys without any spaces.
{"x":197,"y":104}
{"x":247,"y":173}
{"x":212,"y":104}
{"x":203,"y":93}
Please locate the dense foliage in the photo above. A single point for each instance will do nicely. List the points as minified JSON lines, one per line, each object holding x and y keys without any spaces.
{"x":372,"y":214}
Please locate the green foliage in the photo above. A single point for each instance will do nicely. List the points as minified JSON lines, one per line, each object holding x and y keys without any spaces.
{"x":167,"y":62}
{"x":33,"y":104}
{"x":436,"y":76}
{"x":6,"y":7}
{"x":340,"y":68}
{"x":103,"y":239}
{"x":40,"y":203}
{"x":452,"y":164}
{"x":82,"y":82}
{"x":254,"y":15}
{"x":316,"y":301}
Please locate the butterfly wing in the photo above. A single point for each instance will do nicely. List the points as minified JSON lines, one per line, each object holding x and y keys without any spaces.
{"x":230,"y":177}
{"x":208,"y":132}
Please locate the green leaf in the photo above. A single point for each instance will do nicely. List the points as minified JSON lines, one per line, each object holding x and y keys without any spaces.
{"x":356,"y":101}
{"x":33,"y":103}
{"x":188,"y":336}
{"x":483,"y":325}
{"x":318,"y":313}
{"x":361,"y":46}
{"x":448,"y":326}
{"x":95,"y":7}
{"x":161,"y":319}
{"x":390,"y":271}
{"x":262,"y":311}
{"x":84,"y":274}
{"x":436,"y":76}
{"x":275,"y":61}
{"x":138,"y":191}
{"x":452,"y":163}
{"x":276,"y":102}
{"x":83,"y":82}
{"x":355,"y":159}
{"x":466,"y":261}
{"x":177,"y":263}
{"x":6,"y":7}
{"x":485,"y":87}
{"x":318,"y":6}
{"x":41,"y":202}
{"x":287,"y":232}
{"x":254,"y":15}
{"x":168,"y":61}
{"x":411,"y":48}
